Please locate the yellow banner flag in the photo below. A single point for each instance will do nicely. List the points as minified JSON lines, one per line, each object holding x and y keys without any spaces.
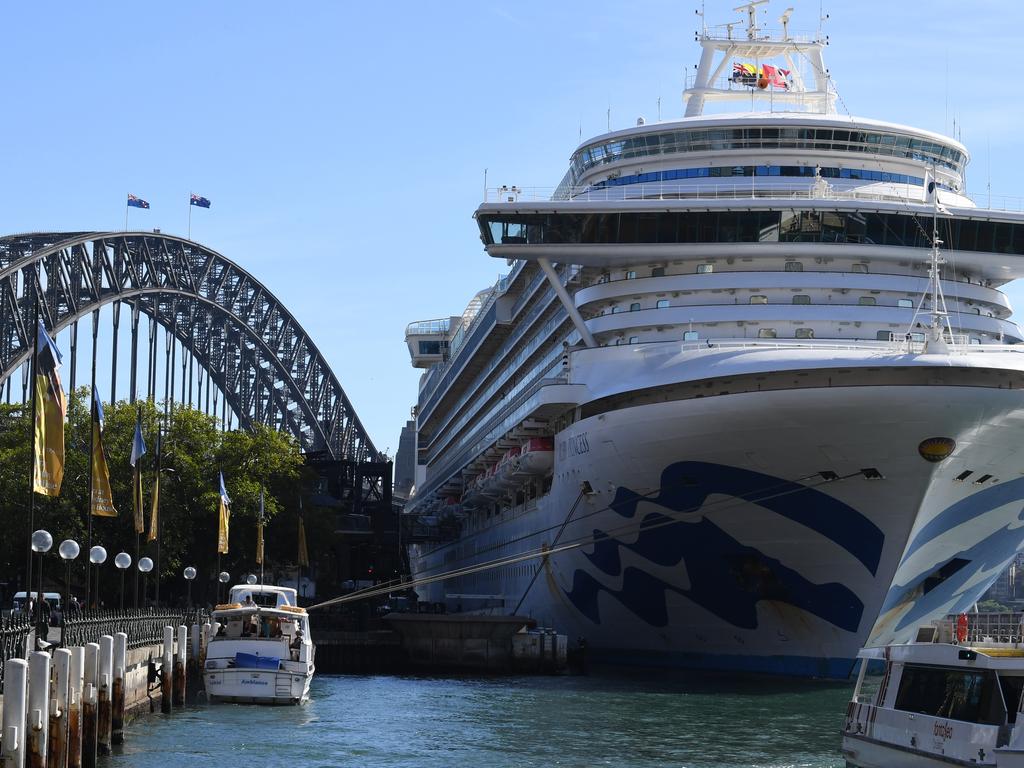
{"x":303,"y":552}
{"x":48,"y":458}
{"x":259,"y":534}
{"x":101,"y":502}
{"x":153,"y":518}
{"x":224,"y":518}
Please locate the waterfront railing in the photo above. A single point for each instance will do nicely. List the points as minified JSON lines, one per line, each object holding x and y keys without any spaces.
{"x":142,"y":627}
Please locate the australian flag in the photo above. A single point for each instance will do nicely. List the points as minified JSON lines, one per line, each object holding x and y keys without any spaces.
{"x":137,"y":202}
{"x":202,"y":202}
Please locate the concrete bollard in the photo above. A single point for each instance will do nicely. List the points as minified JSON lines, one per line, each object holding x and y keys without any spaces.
{"x":89,"y":703}
{"x":166,"y":667}
{"x":57,"y":756}
{"x":89,"y":726}
{"x":13,"y":742}
{"x":204,"y":643}
{"x":179,"y":666}
{"x":118,"y":694}
{"x":75,"y":707}
{"x":106,"y":681}
{"x":38,"y":707}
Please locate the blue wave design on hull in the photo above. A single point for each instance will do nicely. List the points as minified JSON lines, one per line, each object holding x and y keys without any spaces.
{"x":727,"y":578}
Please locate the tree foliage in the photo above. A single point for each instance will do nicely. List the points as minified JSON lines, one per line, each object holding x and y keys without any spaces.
{"x":193,"y":451}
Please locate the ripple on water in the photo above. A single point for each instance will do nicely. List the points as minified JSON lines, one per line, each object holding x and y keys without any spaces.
{"x":420,"y":722}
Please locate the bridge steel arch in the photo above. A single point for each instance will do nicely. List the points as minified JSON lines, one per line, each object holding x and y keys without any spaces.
{"x":250,"y":345}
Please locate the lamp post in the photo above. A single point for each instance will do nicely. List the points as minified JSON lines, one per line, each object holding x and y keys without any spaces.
{"x":97,"y":556}
{"x":223,"y":577}
{"x":190,"y":574}
{"x":68,"y":550}
{"x":145,"y":566}
{"x":41,"y":543}
{"x":123,"y":561}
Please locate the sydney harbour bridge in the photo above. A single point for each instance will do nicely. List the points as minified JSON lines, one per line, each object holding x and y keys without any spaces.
{"x":230,"y":346}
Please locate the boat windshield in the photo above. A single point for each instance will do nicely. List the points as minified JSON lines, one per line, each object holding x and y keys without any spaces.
{"x":258,"y":625}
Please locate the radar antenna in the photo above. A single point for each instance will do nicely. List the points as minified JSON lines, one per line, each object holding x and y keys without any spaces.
{"x":751,"y":9}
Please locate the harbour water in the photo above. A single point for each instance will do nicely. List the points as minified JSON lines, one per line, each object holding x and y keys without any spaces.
{"x":417,"y":722}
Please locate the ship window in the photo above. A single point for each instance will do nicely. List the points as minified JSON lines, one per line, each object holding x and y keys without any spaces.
{"x":917,"y":337}
{"x":631,"y":275}
{"x":805,"y":333}
{"x":866,"y":301}
{"x":967,"y":695}
{"x":430,"y":347}
{"x":884,"y":335}
{"x":794,"y":266}
{"x":690,"y":336}
{"x":1012,"y":689}
{"x":758,"y":299}
{"x":975,"y":341}
{"x":976,"y":310}
{"x":658,"y":272}
{"x":662,"y":303}
{"x":634,"y":339}
{"x":906,"y":303}
{"x":705,"y":268}
{"x":616,"y":309}
{"x":801,"y":298}
{"x":634,"y":307}
{"x":862,"y":268}
{"x":618,"y":341}
{"x":767,"y":333}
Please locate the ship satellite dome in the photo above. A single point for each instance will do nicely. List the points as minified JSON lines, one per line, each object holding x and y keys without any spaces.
{"x":640,"y":121}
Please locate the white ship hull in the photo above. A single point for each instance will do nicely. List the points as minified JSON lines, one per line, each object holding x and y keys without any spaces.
{"x":258,"y":686}
{"x":749,"y":559}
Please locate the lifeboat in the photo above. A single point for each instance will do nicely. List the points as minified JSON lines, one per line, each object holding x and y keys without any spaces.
{"x":488,"y":483}
{"x":504,"y":473}
{"x":536,"y":458}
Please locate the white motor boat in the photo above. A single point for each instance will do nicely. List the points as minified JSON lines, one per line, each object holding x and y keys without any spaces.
{"x":260,"y":651}
{"x":952,"y":698}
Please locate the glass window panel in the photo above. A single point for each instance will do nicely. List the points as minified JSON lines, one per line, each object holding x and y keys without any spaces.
{"x":801,"y":298}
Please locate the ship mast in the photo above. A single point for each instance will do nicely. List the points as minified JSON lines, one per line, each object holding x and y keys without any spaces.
{"x":939,"y":316}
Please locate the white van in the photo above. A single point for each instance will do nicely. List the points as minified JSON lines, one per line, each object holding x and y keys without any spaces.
{"x":53,"y":598}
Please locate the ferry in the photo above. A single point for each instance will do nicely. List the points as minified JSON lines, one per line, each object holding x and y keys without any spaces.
{"x":944,"y":699}
{"x":260,"y":650}
{"x":766,"y":392}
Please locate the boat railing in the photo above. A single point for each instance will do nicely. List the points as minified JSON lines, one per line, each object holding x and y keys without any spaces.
{"x":736,"y":33}
{"x":996,"y":627}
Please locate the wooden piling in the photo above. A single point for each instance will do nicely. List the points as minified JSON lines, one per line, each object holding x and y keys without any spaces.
{"x":89,"y":729}
{"x":57,"y":755}
{"x":179,"y":667}
{"x":118,"y":693}
{"x":75,"y":707}
{"x":103,"y":711}
{"x":38,"y":707}
{"x":166,"y":682}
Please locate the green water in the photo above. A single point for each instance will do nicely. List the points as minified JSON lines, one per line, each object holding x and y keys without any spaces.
{"x":417,"y":722}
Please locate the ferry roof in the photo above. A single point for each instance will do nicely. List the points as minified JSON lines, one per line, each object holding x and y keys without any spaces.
{"x":1007,"y":657}
{"x":730,"y":119}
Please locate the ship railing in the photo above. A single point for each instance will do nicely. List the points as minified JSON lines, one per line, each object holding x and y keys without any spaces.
{"x":894,"y":345}
{"x":428,"y":327}
{"x":984,"y":627}
{"x":737,"y":33}
{"x":748,"y":85}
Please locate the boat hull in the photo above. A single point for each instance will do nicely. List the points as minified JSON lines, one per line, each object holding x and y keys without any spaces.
{"x":257,"y":686}
{"x":715,"y":538}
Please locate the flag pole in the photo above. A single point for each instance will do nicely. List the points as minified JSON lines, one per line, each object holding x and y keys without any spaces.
{"x":92,"y":447}
{"x":126,"y":206}
{"x":189,"y":215}
{"x":159,"y":517}
{"x":32,"y":472}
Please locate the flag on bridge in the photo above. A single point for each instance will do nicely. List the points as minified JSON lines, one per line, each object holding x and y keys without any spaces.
{"x":224,"y":518}
{"x":137,"y":202}
{"x":138,"y":450}
{"x":198,"y":201}
{"x":154,"y":520}
{"x":259,"y":534}
{"x":101,"y":502}
{"x":50,"y":406}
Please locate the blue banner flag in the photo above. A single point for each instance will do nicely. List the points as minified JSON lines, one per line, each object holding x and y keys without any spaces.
{"x":137,"y":202}
{"x":138,"y":444}
{"x":202,"y":202}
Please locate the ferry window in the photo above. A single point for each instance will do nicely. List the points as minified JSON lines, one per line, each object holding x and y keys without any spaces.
{"x":430,"y":347}
{"x":705,"y":268}
{"x":1012,"y":689}
{"x":884,"y":335}
{"x":631,"y":275}
{"x":917,"y":337}
{"x":862,"y":268}
{"x":662,"y":303}
{"x":634,"y":307}
{"x":794,"y":266}
{"x":805,"y":333}
{"x":866,"y":301}
{"x":618,"y":341}
{"x":634,"y":339}
{"x":690,"y":336}
{"x":767,"y":333}
{"x":658,"y":272}
{"x":906,"y":303}
{"x":801,"y":298}
{"x":758,"y":299}
{"x":967,"y":695}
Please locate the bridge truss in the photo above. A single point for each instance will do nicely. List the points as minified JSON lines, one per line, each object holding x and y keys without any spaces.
{"x":248,"y":345}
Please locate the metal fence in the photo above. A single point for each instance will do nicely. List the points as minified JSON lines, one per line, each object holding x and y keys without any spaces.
{"x":14,"y":639}
{"x":142,"y":627}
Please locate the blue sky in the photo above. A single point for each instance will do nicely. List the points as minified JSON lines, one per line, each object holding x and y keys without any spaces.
{"x":343,"y":145}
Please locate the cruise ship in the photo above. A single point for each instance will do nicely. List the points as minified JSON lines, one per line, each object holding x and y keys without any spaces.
{"x":749,"y":397}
